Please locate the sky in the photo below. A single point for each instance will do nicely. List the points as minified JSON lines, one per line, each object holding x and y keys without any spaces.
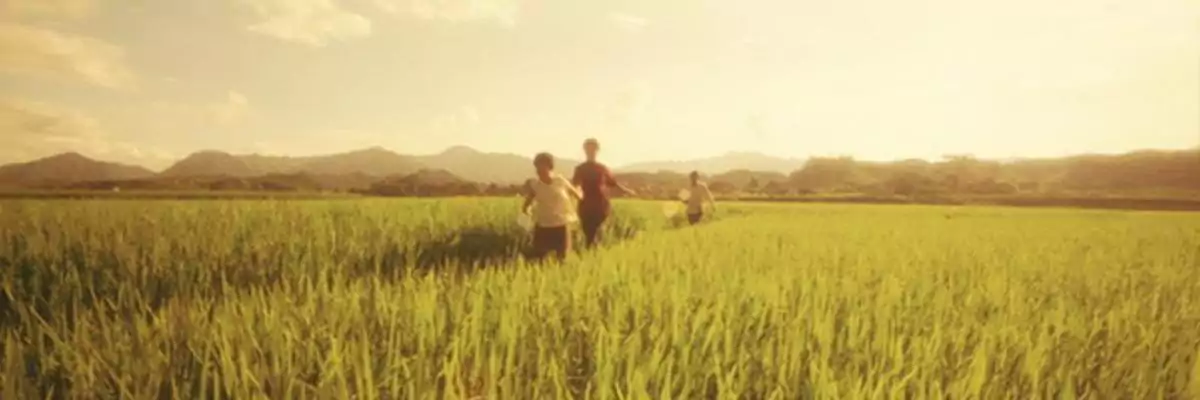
{"x":150,"y":81}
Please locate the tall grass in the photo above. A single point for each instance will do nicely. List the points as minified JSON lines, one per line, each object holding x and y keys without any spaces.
{"x":374,"y":299}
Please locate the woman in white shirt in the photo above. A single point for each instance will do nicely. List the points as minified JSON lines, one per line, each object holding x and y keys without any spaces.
{"x":698,"y":195}
{"x":553,"y":196}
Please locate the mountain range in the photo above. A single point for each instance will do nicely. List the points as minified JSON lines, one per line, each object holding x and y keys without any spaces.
{"x":462,"y":161}
{"x":359,"y":166}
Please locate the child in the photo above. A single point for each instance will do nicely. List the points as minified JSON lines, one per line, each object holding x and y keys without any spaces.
{"x":695,"y":202}
{"x":553,"y":195}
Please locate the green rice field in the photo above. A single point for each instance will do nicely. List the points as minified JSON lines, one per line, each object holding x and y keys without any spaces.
{"x":430,"y":299}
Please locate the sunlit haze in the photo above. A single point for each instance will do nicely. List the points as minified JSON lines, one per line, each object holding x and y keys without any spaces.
{"x":149,"y":81}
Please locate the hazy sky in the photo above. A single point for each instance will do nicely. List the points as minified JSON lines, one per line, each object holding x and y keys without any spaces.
{"x":147,"y":81}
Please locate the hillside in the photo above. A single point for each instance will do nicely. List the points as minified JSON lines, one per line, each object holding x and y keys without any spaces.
{"x":477,"y":166}
{"x":374,"y":161}
{"x":364,"y":167}
{"x":727,"y":162}
{"x":212,"y":163}
{"x":67,"y":168}
{"x":465,"y":162}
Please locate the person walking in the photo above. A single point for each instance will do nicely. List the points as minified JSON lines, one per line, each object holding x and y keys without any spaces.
{"x":593,"y":178}
{"x":697,"y":196}
{"x":552,"y":194}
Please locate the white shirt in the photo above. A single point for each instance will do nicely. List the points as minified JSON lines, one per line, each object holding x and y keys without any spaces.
{"x":552,"y":202}
{"x":699,"y":193}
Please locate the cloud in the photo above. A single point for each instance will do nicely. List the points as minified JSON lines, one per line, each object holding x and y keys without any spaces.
{"x":628,"y":107}
{"x":170,"y":117}
{"x":504,"y":12}
{"x":48,"y":9}
{"x":310,"y":22}
{"x":470,"y":115}
{"x":760,"y":126}
{"x":234,"y":109}
{"x":32,"y":130}
{"x":455,"y":121}
{"x":629,"y":23}
{"x":44,"y":53}
{"x":23,"y":119}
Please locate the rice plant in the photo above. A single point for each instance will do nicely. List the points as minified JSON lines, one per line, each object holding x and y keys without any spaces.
{"x":416,"y":299}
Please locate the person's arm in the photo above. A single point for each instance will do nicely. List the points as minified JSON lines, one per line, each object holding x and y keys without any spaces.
{"x":572,"y":190}
{"x":612,"y":182}
{"x":709,"y":196}
{"x":528,"y":198}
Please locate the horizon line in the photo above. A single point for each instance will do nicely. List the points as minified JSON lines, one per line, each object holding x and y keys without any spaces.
{"x":626,"y":164}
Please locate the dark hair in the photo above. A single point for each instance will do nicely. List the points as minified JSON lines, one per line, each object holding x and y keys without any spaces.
{"x":544,"y":159}
{"x":695,"y":174}
{"x":592,"y":142}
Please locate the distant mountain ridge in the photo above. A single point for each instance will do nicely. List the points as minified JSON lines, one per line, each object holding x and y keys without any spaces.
{"x":477,"y":166}
{"x":462,"y":161}
{"x":373,"y":161}
{"x":68,"y":168}
{"x":378,"y":162}
{"x":362,"y":168}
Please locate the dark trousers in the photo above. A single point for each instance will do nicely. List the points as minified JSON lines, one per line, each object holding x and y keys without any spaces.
{"x":695,"y":218}
{"x":556,"y":239}
{"x":592,"y":220}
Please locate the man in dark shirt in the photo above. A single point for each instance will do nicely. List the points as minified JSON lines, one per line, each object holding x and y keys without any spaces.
{"x":593,"y":178}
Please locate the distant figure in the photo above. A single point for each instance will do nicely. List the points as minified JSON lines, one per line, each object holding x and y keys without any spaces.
{"x":552,"y":194}
{"x":593,"y":178}
{"x":699,"y":194}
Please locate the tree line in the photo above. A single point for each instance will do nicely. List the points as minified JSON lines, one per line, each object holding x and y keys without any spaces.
{"x":1147,"y":173}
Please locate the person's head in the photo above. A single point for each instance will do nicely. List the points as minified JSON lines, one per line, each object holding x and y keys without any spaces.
{"x":590,"y":148}
{"x":544,"y":163}
{"x":695,"y":175}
